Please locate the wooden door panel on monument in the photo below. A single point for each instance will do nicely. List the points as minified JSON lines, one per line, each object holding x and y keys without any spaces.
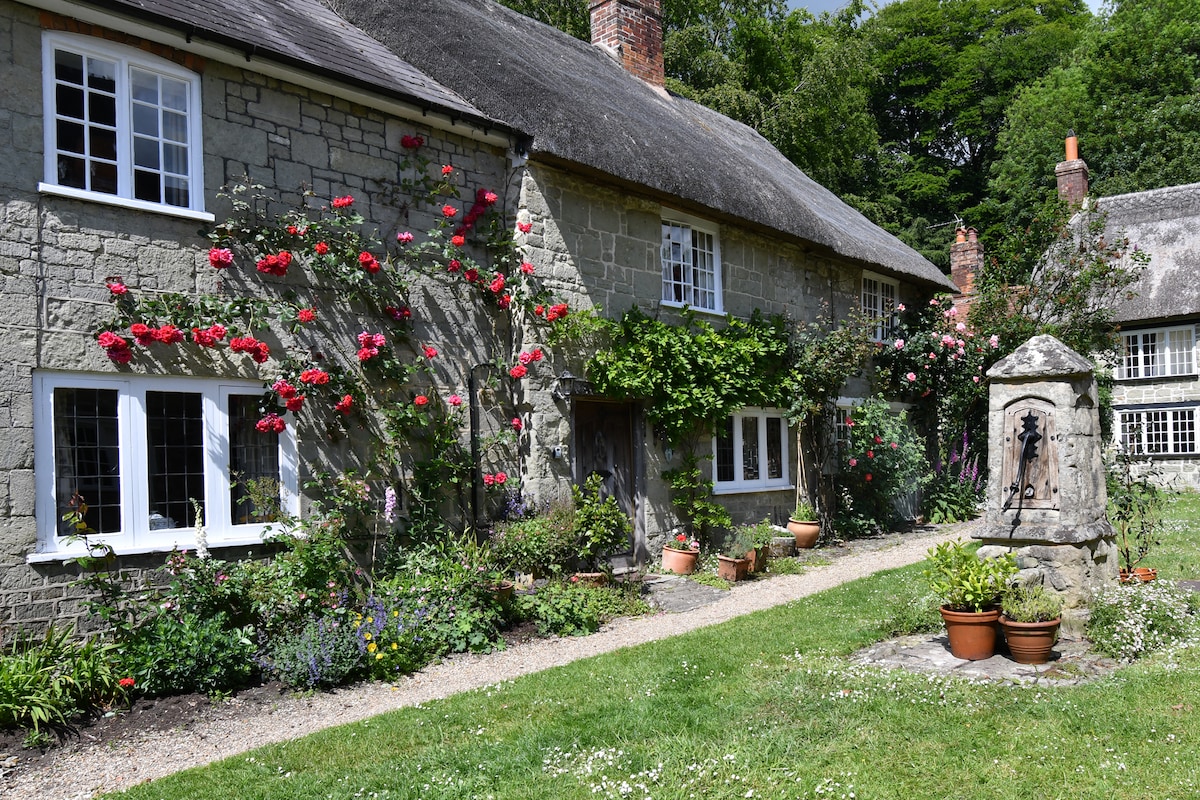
{"x":604,"y":446}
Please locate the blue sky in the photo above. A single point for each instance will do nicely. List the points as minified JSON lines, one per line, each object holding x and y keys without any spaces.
{"x":817,"y":6}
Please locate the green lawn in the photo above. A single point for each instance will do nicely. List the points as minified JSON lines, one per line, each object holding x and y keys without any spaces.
{"x":762,"y":706}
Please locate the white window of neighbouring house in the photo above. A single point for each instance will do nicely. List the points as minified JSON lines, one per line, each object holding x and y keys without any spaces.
{"x":1158,"y":431}
{"x":691,"y":264}
{"x":147,"y":455}
{"x":750,"y":452}
{"x":121,"y":126}
{"x":1158,"y":353}
{"x":879,"y":304}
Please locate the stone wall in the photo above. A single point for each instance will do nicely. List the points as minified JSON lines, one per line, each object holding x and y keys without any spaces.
{"x":1174,"y":471}
{"x":56,"y":255}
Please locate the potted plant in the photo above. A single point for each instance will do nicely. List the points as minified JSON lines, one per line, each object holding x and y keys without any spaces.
{"x":803,"y":525}
{"x":970,"y":588}
{"x":1135,"y":510}
{"x":759,"y":535}
{"x":680,"y":554}
{"x":732,"y":563}
{"x":1030,"y":617}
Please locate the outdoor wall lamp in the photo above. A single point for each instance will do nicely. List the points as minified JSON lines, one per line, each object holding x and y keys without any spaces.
{"x":564,"y":386}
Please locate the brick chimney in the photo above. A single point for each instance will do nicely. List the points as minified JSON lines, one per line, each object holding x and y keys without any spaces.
{"x":966,"y":259}
{"x":1072,"y":174}
{"x":631,"y":29}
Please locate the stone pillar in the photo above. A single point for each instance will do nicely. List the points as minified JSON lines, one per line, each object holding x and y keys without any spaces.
{"x":1046,"y":493}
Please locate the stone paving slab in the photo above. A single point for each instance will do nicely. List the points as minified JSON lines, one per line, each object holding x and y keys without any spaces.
{"x":1071,"y":661}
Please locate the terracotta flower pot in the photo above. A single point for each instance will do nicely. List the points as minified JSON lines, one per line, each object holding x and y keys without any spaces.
{"x":681,"y":562}
{"x":758,"y":559}
{"x":806,"y":533}
{"x":1140,"y":574}
{"x":972,"y":635}
{"x":732,"y":569}
{"x":1030,"y":642}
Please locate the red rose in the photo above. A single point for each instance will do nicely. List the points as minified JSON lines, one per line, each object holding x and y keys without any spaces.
{"x":111,"y":341}
{"x":519,"y":371}
{"x":470,"y":275}
{"x":526,"y":267}
{"x":497,"y":284}
{"x":168,"y":334}
{"x":458,"y":240}
{"x":430,"y":352}
{"x":454,"y":266}
{"x":446,"y":171}
{"x":449,"y":211}
{"x":321,"y":247}
{"x":316,"y":377}
{"x":420,"y":400}
{"x":294,"y":403}
{"x":120,"y":355}
{"x":344,"y":404}
{"x":284,"y":389}
{"x":524,"y":227}
{"x":306,"y":315}
{"x":411,"y":142}
{"x":342,"y":202}
{"x":118,"y":288}
{"x":368,"y":262}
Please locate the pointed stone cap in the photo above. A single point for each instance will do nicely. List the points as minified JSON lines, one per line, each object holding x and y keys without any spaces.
{"x":1041,"y":357}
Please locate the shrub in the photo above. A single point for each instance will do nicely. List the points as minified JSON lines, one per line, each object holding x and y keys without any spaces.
{"x":600,"y":528}
{"x":325,"y":652}
{"x":956,"y":488}
{"x":568,"y":608}
{"x":45,"y":682}
{"x":883,"y":461}
{"x":181,"y":653}
{"x":1130,"y":620}
{"x":538,"y":545}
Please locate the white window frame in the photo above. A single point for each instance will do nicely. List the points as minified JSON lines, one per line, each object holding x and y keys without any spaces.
{"x":877,"y":306}
{"x":739,"y":483}
{"x":1158,"y":431}
{"x":1157,"y":353}
{"x":125,"y":59}
{"x":693,"y":227}
{"x":136,"y":535}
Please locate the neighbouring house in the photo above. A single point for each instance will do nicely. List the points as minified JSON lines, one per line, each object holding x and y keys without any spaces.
{"x":1156,"y":390}
{"x":123,"y":124}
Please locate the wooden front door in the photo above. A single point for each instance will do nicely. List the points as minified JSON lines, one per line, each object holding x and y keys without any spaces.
{"x":604,"y":445}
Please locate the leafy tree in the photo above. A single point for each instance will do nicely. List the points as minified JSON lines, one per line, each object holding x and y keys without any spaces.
{"x":948,"y":71}
{"x":1129,"y":91}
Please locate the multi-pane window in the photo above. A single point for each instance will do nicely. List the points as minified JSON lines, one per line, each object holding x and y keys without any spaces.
{"x":879,"y":304}
{"x":1159,"y":431}
{"x":1158,"y":353}
{"x":691,"y":266}
{"x":750,"y":452}
{"x":151,"y":458}
{"x":120,"y":123}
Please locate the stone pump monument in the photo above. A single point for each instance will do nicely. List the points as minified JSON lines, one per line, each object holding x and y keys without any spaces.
{"x":1046,"y":494}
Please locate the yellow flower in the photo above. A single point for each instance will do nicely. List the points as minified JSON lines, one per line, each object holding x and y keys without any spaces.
{"x":367,"y":636}
{"x":378,"y":656}
{"x":396,"y":613}
{"x":371,"y":648}
{"x":370,"y":620}
{"x":395,"y":646}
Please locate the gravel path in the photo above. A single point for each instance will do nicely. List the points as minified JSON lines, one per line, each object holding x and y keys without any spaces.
{"x":81,"y":770}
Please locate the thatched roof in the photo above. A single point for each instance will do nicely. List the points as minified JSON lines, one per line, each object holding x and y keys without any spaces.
{"x":1165,"y":223}
{"x":480,"y":61}
{"x":581,"y":108}
{"x":304,"y":34}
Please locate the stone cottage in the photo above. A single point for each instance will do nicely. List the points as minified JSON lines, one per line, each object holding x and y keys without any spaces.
{"x":123,"y":125}
{"x":1156,"y":391}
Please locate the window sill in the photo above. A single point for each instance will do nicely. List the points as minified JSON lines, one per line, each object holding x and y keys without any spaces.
{"x":72,"y":554}
{"x":124,"y":202}
{"x":751,"y":489}
{"x":1185,"y":378}
{"x":711,"y":311}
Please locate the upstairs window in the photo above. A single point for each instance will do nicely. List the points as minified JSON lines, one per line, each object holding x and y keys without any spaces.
{"x":121,"y":125}
{"x":691,"y":265}
{"x":879,"y":304}
{"x":750,"y":452}
{"x":1158,"y":353}
{"x":151,"y":457}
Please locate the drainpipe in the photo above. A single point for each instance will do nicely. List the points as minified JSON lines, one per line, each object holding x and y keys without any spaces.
{"x":473,"y":406}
